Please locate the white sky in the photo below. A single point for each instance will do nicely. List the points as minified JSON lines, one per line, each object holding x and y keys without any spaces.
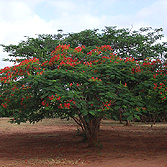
{"x":19,"y":18}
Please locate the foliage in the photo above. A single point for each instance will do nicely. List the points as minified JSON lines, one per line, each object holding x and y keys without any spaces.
{"x":39,"y":47}
{"x":86,"y":85}
{"x":141,"y":44}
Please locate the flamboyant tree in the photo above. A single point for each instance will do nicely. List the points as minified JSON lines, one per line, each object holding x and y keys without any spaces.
{"x":86,"y":83}
{"x":154,"y":90}
{"x":83,"y":84}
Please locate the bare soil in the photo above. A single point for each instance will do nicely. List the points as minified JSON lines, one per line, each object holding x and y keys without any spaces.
{"x":54,"y":142}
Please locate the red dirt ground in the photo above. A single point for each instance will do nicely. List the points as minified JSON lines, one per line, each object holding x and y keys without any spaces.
{"x":48,"y":144}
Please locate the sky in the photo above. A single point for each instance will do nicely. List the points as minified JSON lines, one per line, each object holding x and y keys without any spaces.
{"x":20,"y":18}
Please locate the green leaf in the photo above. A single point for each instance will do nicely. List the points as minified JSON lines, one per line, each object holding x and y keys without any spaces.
{"x":115,"y":117}
{"x":132,"y":78}
{"x":139,"y":104}
{"x":102,"y":94}
{"x":116,"y":107}
{"x":78,"y":105}
{"x":130,"y":117}
{"x":92,"y":112}
{"x":112,"y":76}
{"x":136,"y":116}
{"x":84,"y":112}
{"x":126,"y":113}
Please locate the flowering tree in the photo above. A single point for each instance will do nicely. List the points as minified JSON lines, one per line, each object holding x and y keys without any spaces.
{"x":154,"y":90}
{"x":83,"y":84}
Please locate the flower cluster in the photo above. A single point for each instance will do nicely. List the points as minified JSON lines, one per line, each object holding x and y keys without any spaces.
{"x":161,"y":88}
{"x":94,"y":79}
{"x":4,"y":105}
{"x":107,"y":104}
{"x":79,"y":49}
{"x":66,"y":104}
{"x":18,"y":70}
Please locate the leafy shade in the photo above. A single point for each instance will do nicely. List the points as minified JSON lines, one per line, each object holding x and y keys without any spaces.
{"x":83,"y":84}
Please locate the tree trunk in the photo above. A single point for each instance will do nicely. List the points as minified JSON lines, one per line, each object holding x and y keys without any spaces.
{"x":90,"y":127}
{"x":128,"y":123}
{"x":92,"y":130}
{"x":120,"y":116}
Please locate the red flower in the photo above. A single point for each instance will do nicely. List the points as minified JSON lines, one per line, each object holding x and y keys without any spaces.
{"x":74,"y":102}
{"x":67,"y":105}
{"x":60,"y":106}
{"x":4,"y":105}
{"x":125,"y":84}
{"x":71,"y":84}
{"x":51,"y":97}
{"x":59,"y":98}
{"x":43,"y":102}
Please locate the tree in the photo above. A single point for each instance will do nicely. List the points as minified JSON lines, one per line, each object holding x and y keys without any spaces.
{"x":39,"y":47}
{"x":154,"y":90}
{"x":141,"y":44}
{"x":85,"y":83}
{"x":82,"y":84}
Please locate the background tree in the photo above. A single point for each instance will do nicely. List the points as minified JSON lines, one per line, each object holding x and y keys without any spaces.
{"x":141,"y":44}
{"x":40,"y":47}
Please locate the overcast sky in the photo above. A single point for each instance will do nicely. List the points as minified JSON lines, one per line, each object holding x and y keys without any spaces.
{"x":19,"y":18}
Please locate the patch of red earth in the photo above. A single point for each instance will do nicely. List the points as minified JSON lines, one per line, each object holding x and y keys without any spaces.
{"x":59,"y":145}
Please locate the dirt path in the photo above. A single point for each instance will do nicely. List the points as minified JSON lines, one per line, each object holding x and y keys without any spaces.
{"x":50,"y":144}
